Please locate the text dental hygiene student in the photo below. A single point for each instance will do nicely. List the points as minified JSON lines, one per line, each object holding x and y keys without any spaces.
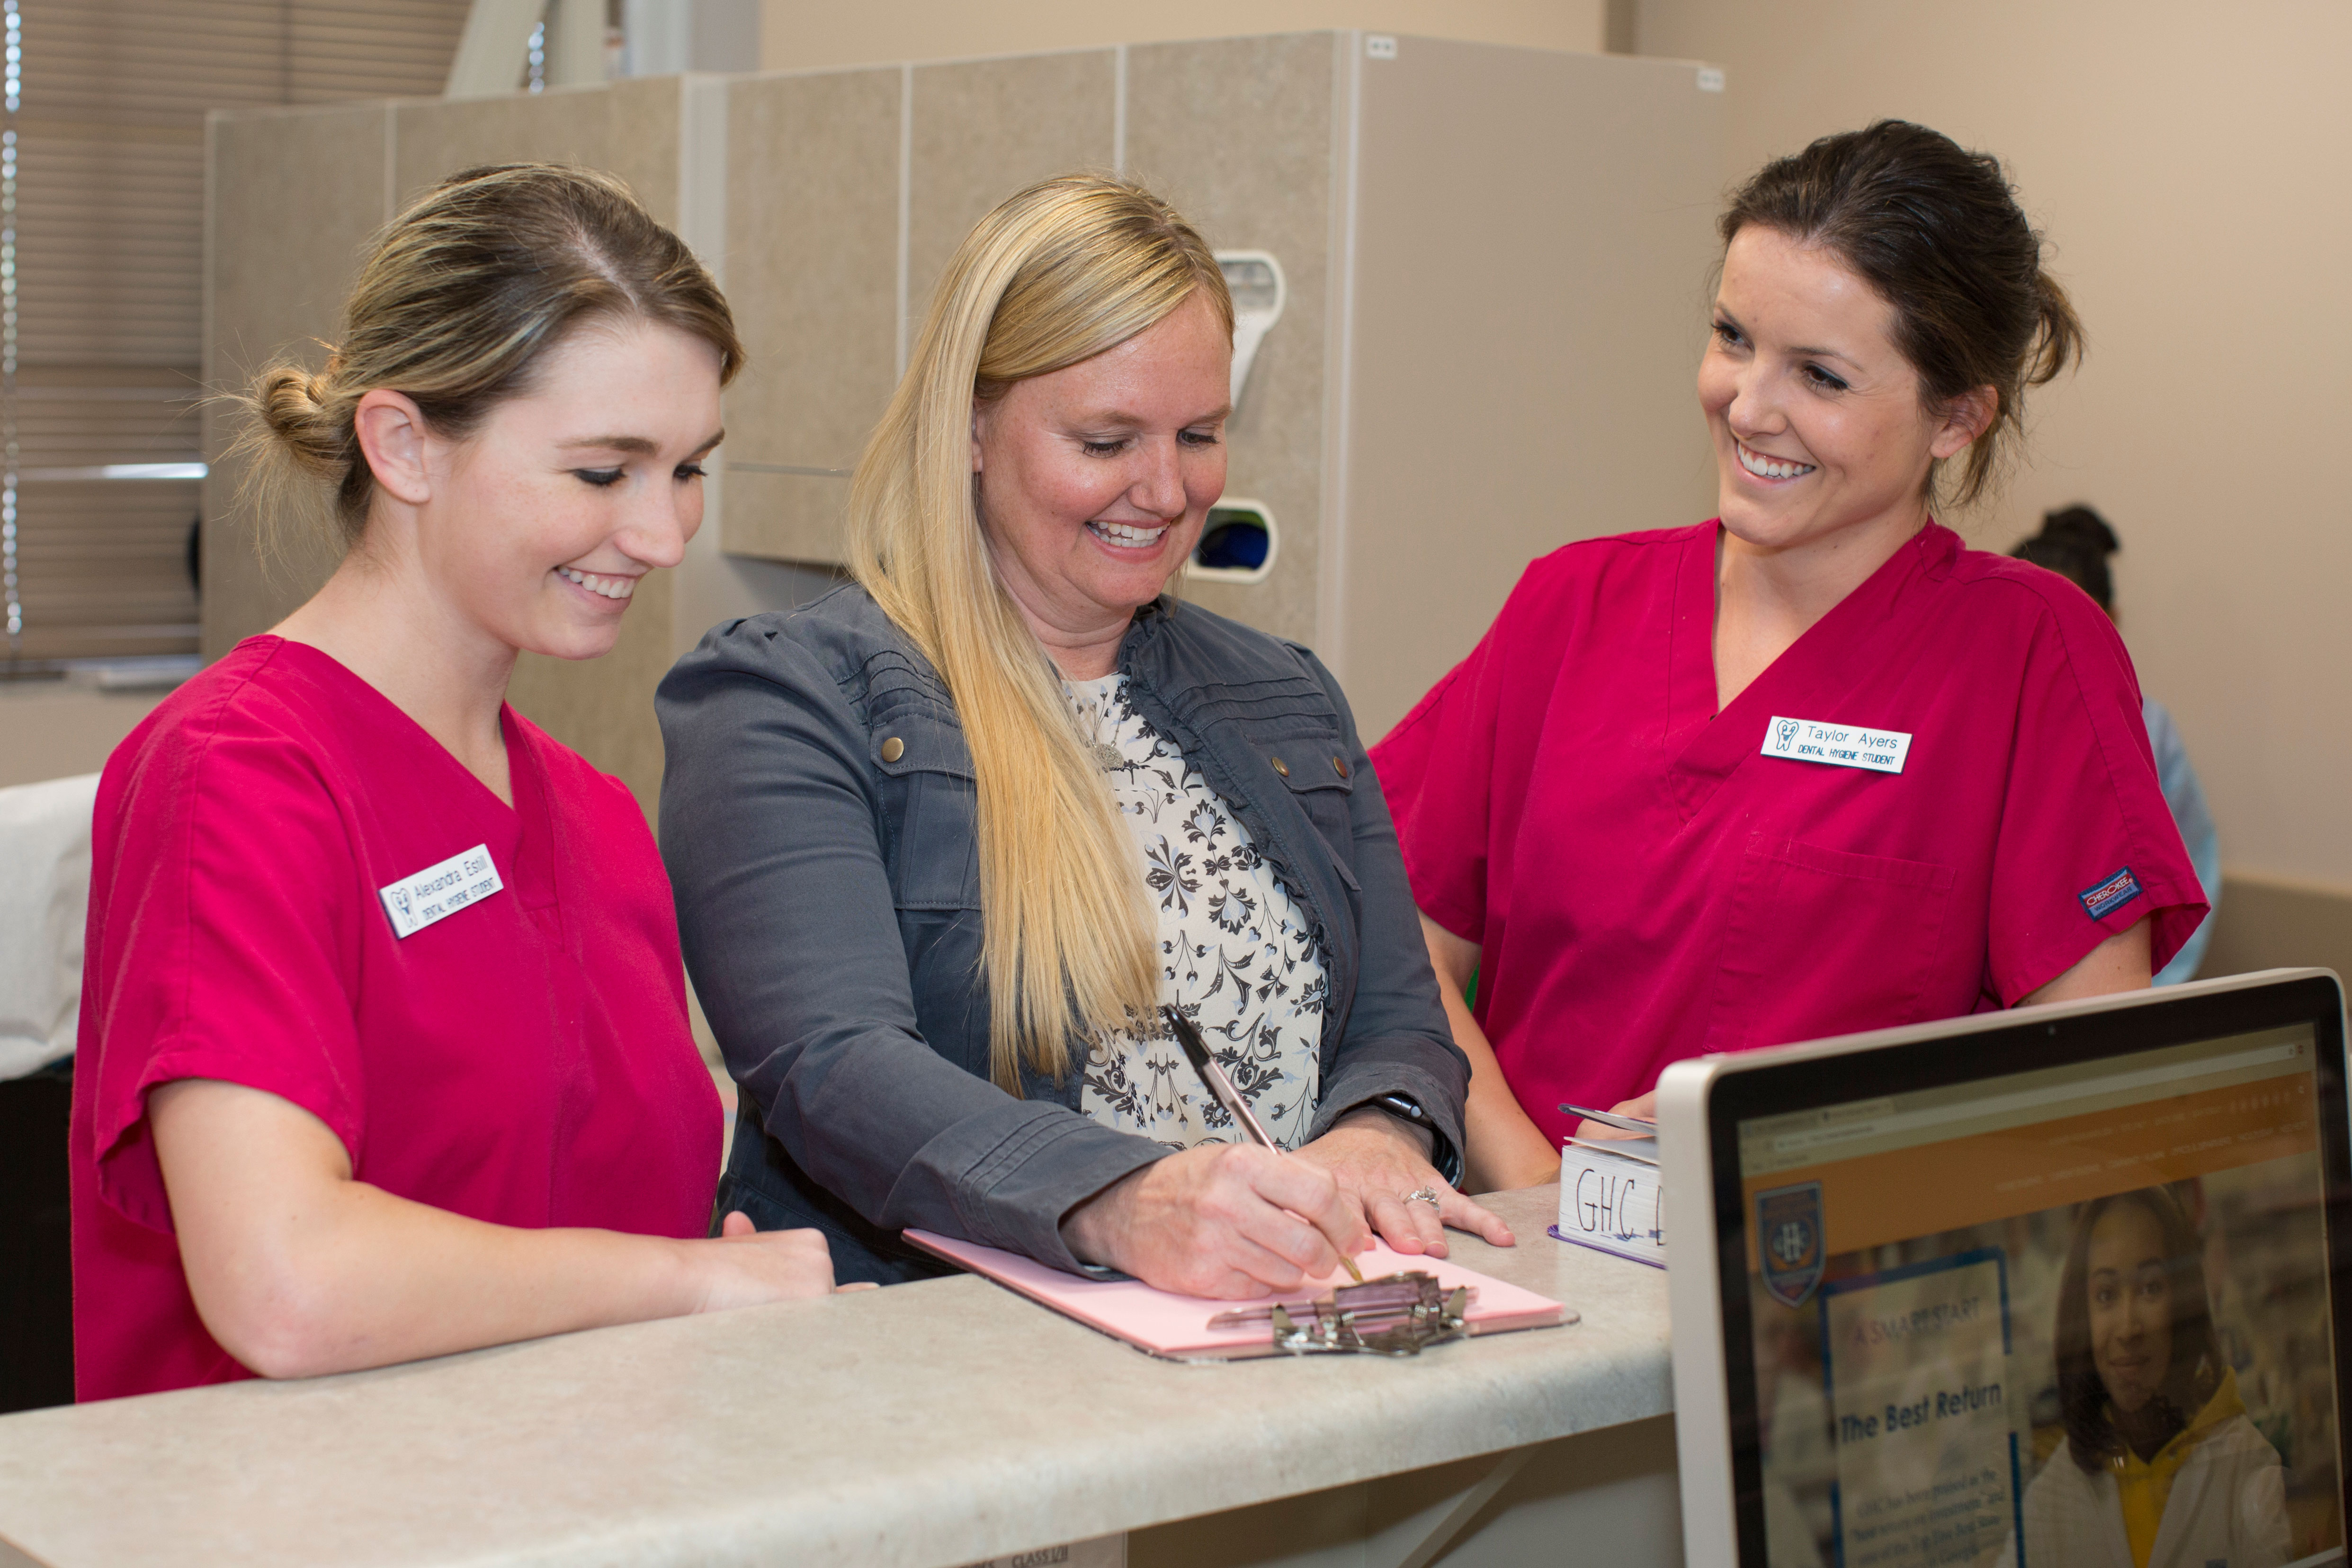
{"x":329,"y":1115}
{"x":1637,"y":812}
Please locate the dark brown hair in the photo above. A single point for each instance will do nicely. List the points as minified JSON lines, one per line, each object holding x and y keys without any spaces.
{"x":460,"y":297}
{"x":1936,"y":230}
{"x":2195,"y":1369}
{"x":2075,"y":543}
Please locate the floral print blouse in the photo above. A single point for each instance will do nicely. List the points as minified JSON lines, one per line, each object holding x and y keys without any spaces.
{"x":1236,"y":953}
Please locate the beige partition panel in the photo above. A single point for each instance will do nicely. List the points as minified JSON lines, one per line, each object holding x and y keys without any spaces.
{"x":812,"y":262}
{"x":1241,"y":134}
{"x":291,"y":199}
{"x":1533,"y":237}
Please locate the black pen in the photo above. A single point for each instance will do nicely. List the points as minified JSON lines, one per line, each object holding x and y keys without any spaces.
{"x":1617,"y":1119}
{"x":1196,"y":1051}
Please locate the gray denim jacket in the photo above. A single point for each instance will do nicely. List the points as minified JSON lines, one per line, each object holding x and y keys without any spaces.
{"x":817,"y":820}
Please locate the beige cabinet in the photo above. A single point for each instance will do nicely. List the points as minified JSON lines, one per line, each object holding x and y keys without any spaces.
{"x":1496,"y":264}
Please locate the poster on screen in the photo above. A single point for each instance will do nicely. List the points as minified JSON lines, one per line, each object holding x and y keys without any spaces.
{"x":1915,"y":1365}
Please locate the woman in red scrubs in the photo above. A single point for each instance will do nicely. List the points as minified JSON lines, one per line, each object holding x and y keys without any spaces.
{"x":1814,"y":766}
{"x":383,"y":1041}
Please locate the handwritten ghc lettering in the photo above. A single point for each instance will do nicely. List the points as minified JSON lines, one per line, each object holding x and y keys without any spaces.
{"x":1966,"y":1400}
{"x":1604,"y":1205}
{"x":1935,"y":1319}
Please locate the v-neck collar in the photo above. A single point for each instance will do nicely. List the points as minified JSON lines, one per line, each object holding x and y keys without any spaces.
{"x":1809,"y":680}
{"x":530,"y":876}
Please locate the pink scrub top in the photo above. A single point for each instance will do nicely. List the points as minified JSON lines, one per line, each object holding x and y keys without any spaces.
{"x":525,"y":1060}
{"x":1646,"y":887}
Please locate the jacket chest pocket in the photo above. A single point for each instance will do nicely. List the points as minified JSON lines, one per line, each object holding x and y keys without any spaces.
{"x":1823,"y":942}
{"x":930,"y":809}
{"x":1313,"y":769}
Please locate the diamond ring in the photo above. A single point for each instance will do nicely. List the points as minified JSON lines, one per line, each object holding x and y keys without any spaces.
{"x":1424,"y":1195}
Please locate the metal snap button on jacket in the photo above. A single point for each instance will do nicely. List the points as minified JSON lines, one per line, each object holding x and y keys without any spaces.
{"x":1339,"y":766}
{"x":893,"y":749}
{"x":1279,"y":768}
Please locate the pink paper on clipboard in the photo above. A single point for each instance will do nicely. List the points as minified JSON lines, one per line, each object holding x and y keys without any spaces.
{"x":1178,"y":1326}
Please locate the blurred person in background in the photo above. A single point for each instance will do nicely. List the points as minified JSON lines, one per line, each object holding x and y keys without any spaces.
{"x":2075,"y":543}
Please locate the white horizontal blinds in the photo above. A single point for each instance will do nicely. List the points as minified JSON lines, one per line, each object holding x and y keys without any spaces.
{"x":109,"y":276}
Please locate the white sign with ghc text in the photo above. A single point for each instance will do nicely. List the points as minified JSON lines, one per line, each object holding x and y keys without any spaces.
{"x":1613,"y":1201}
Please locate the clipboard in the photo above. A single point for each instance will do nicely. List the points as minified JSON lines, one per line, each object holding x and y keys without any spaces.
{"x":1176,"y":1327}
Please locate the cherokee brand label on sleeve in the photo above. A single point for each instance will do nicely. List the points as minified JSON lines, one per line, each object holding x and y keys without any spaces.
{"x":438,"y":892}
{"x":1839,"y":745}
{"x":2111,"y":895}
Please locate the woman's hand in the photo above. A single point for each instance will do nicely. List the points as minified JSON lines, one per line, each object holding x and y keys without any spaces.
{"x":1642,"y":1106}
{"x":1227,"y":1220}
{"x":1376,"y":1160}
{"x":746,"y":1266}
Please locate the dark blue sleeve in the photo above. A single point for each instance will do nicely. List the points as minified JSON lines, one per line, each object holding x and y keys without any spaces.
{"x":771,"y":827}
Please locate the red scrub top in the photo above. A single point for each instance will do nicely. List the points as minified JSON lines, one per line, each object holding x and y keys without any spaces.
{"x":1646,"y":887}
{"x":525,"y":1060}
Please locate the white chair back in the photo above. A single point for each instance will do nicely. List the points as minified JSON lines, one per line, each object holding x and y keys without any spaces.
{"x":44,"y":899}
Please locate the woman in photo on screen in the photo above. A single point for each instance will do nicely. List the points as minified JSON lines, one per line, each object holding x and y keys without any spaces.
{"x":1812,"y":766}
{"x":2075,"y":541}
{"x":945,"y":839}
{"x":2161,"y":1467}
{"x":327,"y":1116}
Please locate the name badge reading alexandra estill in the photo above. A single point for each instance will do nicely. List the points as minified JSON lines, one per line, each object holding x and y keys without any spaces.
{"x":437,"y":893}
{"x":1840,"y":746}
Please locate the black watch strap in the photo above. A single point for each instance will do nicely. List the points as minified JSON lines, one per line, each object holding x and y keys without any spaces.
{"x":1441,"y":1152}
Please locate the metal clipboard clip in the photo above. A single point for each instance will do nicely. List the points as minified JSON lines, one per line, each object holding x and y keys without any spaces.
{"x":1398,"y":1314}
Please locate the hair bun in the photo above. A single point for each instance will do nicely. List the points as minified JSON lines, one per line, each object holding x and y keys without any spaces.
{"x":293,"y":406}
{"x":2081,"y":528}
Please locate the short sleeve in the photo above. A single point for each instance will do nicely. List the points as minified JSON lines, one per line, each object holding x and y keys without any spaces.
{"x":222,"y":941}
{"x":1436,"y":767}
{"x":2087,"y":847}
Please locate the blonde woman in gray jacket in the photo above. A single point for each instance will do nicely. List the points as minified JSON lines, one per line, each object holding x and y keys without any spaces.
{"x":945,"y":840}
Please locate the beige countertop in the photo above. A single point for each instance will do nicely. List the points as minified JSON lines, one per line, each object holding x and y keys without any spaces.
{"x":919,"y":1426}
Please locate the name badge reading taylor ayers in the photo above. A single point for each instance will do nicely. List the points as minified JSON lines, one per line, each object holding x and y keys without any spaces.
{"x":1840,"y":746}
{"x":437,"y":893}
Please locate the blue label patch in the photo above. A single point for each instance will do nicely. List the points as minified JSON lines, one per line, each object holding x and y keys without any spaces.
{"x":2111,"y":895}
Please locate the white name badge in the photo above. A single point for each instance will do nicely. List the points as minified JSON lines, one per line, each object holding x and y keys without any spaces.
{"x":437,"y":893}
{"x":1840,"y":746}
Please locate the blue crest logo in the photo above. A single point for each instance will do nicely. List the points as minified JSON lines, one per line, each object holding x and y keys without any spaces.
{"x":1788,"y":732}
{"x":1789,"y":1241}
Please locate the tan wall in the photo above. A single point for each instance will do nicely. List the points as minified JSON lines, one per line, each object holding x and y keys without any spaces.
{"x":2192,"y":165}
{"x":798,"y":35}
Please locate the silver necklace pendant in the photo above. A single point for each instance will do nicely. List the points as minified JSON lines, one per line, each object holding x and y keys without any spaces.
{"x":1106,"y":757}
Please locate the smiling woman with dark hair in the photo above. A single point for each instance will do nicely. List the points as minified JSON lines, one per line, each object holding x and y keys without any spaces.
{"x":1812,"y":766}
{"x":2161,"y":1466}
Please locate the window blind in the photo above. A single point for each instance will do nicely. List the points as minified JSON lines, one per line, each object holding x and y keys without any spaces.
{"x":102,"y":271}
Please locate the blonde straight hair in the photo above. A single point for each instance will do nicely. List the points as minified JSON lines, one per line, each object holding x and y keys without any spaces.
{"x":1058,"y":273}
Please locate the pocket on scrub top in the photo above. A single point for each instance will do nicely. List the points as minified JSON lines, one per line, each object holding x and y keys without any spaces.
{"x":1823,"y":941}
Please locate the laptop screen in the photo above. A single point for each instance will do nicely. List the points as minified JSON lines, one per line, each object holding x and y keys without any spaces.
{"x":2074,"y":1314}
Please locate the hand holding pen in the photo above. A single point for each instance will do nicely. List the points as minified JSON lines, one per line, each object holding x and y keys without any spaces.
{"x":1232,"y":1220}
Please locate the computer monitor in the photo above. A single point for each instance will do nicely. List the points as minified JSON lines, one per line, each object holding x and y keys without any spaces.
{"x":2068,"y":1287}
